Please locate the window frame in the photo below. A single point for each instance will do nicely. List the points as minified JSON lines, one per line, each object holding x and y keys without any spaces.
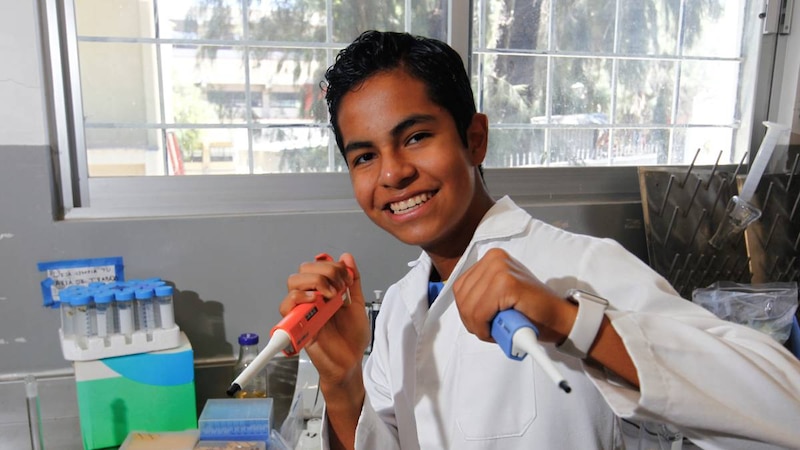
{"x":80,"y":197}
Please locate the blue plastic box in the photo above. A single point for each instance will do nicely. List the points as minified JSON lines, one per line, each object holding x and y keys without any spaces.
{"x":236,"y":419}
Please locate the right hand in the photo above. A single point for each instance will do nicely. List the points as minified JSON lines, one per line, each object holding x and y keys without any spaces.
{"x":338,"y":348}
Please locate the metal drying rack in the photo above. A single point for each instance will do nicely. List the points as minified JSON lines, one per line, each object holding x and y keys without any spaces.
{"x":684,"y":206}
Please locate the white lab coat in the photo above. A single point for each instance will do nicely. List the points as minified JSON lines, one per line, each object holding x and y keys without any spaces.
{"x":432,"y":385}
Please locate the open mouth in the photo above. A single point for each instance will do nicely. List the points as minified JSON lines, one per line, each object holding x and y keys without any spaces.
{"x":409,"y":204}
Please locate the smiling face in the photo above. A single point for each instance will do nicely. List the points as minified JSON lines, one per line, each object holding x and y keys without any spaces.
{"x":410,"y":171}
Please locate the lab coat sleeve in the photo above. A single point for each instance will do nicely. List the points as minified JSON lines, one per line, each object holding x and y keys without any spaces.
{"x":377,"y":425}
{"x":725,"y":386}
{"x":371,"y":431}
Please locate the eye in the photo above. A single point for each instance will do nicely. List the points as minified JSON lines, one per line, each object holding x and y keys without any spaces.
{"x":417,"y":137}
{"x":362,"y":158}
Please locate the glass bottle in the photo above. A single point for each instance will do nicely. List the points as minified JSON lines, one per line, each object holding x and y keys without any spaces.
{"x":248,"y":350}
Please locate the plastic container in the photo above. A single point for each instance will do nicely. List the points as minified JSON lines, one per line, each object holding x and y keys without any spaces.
{"x":145,"y":313}
{"x":104,"y":313}
{"x":67,"y":313}
{"x":230,"y":419}
{"x":83,"y":317}
{"x":165,"y":313}
{"x":108,"y":327}
{"x":124,"y":299}
{"x":248,"y":350}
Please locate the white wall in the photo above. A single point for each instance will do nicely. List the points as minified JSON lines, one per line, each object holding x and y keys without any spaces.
{"x":789,"y":101}
{"x":22,"y":101}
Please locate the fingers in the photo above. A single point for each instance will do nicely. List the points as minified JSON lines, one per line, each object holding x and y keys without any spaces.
{"x":323,"y":277}
{"x":327,"y":277}
{"x":495,"y":283}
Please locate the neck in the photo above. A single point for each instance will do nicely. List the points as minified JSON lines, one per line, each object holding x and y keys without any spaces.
{"x":444,"y":259}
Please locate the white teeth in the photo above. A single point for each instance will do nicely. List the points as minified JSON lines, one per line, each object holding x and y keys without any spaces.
{"x":405,"y":205}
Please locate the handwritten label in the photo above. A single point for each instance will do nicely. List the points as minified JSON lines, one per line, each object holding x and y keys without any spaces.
{"x":79,"y":276}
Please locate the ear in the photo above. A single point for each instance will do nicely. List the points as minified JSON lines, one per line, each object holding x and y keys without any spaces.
{"x":478,"y":138}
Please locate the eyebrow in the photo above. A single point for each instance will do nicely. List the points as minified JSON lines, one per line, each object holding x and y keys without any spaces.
{"x":396,"y":131}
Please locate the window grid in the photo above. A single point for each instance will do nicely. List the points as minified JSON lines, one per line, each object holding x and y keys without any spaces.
{"x":551,"y":54}
{"x":73,"y":167}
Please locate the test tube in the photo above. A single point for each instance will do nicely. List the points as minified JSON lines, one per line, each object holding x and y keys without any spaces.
{"x":124,"y":298}
{"x":166,"y":314}
{"x":144,"y":305}
{"x":34,"y":412}
{"x":83,"y":316}
{"x":67,"y":312}
{"x":104,"y":312}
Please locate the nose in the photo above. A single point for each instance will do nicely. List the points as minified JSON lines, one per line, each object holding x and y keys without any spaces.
{"x":396,"y":171}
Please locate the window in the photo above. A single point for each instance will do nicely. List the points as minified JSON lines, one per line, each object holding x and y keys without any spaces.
{"x":158,"y":90}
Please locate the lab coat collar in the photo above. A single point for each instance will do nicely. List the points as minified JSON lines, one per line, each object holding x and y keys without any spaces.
{"x":503,"y":219}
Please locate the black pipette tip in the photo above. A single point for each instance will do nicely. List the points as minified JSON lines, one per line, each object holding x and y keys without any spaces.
{"x":233,"y":389}
{"x":562,"y":384}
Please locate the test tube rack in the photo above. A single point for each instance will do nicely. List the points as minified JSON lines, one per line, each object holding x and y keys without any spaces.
{"x":95,"y":347}
{"x":683,"y":207}
{"x":143,"y":333}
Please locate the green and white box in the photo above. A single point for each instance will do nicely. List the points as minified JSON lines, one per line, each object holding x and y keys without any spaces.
{"x":151,"y":392}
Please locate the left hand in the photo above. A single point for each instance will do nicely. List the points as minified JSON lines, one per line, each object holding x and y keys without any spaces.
{"x":498,"y":282}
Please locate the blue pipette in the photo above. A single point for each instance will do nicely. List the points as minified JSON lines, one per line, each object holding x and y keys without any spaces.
{"x":518,"y":337}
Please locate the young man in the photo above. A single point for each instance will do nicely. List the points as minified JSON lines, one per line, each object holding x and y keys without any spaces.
{"x":404,"y":117}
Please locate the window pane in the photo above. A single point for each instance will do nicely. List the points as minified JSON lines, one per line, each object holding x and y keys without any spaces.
{"x":510,"y":147}
{"x":640,"y":147}
{"x":581,"y":86}
{"x":708,"y":92}
{"x":714,"y":28}
{"x":119,"y":82}
{"x":494,"y":30}
{"x":120,"y":18}
{"x":208,"y":84}
{"x":284,"y":84}
{"x":113,"y":152}
{"x":706,"y":143}
{"x":648,"y":27}
{"x":293,"y":150}
{"x":513,"y":87}
{"x":278,"y":20}
{"x":645,"y":92}
{"x":351,"y":18}
{"x":429,"y":18}
{"x":637,"y":72}
{"x":208,"y":151}
{"x":200,"y":19}
{"x":582,"y":26}
{"x":578,"y":147}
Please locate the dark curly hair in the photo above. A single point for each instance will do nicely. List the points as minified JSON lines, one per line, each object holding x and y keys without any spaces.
{"x":429,"y":60}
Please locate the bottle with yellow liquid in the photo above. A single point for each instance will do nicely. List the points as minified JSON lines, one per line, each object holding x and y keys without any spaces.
{"x":248,"y":350}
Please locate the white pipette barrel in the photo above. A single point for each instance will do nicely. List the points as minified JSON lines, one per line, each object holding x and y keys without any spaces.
{"x":765,"y":150}
{"x":279,"y":341}
{"x":517,"y":337}
{"x":295,"y":330}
